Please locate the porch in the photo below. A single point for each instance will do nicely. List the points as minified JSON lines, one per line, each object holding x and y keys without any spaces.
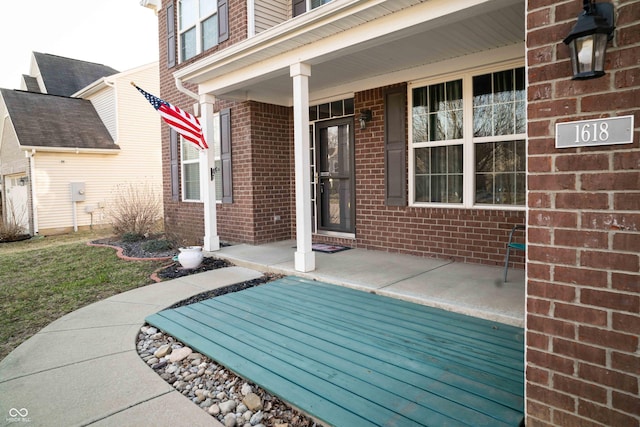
{"x":470,"y":289}
{"x":357,"y":358}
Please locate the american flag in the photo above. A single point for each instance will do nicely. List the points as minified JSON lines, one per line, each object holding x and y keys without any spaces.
{"x":184,"y":123}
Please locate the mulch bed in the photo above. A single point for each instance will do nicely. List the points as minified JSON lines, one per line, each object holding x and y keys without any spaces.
{"x":136,"y":251}
{"x":175,"y":270}
{"x":267,"y":277}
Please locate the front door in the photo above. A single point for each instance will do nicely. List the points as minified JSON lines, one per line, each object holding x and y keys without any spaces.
{"x":336,"y":176}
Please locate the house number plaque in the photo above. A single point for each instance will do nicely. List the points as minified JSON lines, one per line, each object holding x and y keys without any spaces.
{"x":588,"y":133}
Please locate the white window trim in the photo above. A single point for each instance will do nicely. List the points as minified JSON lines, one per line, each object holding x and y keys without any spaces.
{"x":217,"y":156}
{"x":468,"y":142}
{"x":182,"y":174}
{"x":198,"y":27}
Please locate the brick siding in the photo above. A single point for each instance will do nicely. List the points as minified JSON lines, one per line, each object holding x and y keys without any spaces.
{"x":466,"y":235}
{"x":583,"y":290}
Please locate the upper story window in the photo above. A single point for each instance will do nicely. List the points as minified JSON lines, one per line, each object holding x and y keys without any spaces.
{"x":197,"y":26}
{"x":467,"y":144}
{"x":301,"y":6}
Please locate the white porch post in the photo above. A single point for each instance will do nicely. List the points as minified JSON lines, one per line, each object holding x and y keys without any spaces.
{"x":207,"y":185}
{"x":304,"y":257}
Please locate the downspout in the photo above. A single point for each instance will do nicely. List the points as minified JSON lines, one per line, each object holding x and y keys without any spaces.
{"x":2,"y":198}
{"x":34,"y":196}
{"x":186,"y":91}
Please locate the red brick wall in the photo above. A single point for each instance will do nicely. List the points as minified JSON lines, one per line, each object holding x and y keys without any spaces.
{"x":583,"y":297}
{"x":181,"y":220}
{"x":261,"y":156}
{"x":272,"y":176}
{"x":185,"y":220}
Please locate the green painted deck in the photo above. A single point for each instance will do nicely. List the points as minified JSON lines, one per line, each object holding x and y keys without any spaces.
{"x":351,"y":358}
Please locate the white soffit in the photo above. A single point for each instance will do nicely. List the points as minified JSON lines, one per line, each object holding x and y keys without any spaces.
{"x":357,"y":40}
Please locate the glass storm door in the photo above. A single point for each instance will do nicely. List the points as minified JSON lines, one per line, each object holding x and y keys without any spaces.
{"x":336,"y":176}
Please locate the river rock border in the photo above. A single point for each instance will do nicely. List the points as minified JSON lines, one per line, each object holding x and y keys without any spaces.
{"x":232,"y":400}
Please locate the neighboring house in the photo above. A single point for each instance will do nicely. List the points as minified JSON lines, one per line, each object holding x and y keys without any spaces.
{"x":427,"y":128}
{"x":76,"y":132}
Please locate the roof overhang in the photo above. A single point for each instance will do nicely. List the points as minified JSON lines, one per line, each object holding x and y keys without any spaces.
{"x":94,"y":87}
{"x":352,"y":44}
{"x":67,"y":150}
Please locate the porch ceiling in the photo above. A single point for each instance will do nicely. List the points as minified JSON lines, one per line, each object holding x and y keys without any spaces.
{"x":350,"y":48}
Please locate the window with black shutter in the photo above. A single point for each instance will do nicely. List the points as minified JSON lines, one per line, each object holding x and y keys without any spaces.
{"x":223,"y":20}
{"x":395,"y":147}
{"x":171,"y":37}
{"x":299,"y":7}
{"x":175,"y":165}
{"x":225,"y":156}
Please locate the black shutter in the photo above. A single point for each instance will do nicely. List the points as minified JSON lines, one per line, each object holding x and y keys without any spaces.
{"x":223,"y":20}
{"x":225,"y":155}
{"x":395,"y":146}
{"x":299,"y":7}
{"x":171,"y":37}
{"x":175,"y":164}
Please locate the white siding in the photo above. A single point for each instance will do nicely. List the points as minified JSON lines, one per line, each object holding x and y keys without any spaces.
{"x":105,"y":104}
{"x":139,"y":160}
{"x":269,"y":13}
{"x":12,"y":159}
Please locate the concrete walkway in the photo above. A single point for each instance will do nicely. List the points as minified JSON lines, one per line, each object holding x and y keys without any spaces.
{"x":83,"y":369}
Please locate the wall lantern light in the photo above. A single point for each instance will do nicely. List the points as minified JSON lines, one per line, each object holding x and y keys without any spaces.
{"x":23,"y":181}
{"x":365,"y":116}
{"x":588,"y":39}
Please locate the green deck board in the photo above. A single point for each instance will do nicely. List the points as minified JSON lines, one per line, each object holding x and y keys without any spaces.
{"x":353,"y":358}
{"x":466,"y":326}
{"x":336,"y":370}
{"x":388,"y":356}
{"x":409,"y":384}
{"x":491,"y":363}
{"x":507,"y":336}
{"x":299,"y":387}
{"x":413,"y":327}
{"x":391,"y":354}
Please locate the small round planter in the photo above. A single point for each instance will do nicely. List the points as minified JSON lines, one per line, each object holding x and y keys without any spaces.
{"x":190,"y":256}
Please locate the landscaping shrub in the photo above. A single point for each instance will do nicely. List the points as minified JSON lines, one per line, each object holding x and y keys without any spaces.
{"x":11,"y":228}
{"x":130,"y":237}
{"x":136,"y":210}
{"x":157,"y":245}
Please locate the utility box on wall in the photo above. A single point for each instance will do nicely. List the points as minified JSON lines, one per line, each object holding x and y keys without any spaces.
{"x":78,"y":192}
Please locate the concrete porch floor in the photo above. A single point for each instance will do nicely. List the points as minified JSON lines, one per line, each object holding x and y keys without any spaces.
{"x":471,"y":289}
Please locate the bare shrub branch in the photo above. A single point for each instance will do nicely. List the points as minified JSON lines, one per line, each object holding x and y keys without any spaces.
{"x":136,"y":209}
{"x":11,"y":228}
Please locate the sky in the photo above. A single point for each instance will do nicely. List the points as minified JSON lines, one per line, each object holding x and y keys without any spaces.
{"x":117,"y":33}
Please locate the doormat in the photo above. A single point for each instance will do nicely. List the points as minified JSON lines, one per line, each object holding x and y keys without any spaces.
{"x":328,"y":249}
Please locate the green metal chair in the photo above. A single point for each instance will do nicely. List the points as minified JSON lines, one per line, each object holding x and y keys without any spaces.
{"x":512,"y":245}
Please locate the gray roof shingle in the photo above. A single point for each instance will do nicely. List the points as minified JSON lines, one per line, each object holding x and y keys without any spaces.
{"x":65,"y":76}
{"x":42,"y":120}
{"x":31,"y":83}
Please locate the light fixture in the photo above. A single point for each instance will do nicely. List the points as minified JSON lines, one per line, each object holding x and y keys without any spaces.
{"x":588,"y":39}
{"x":365,"y":116}
{"x":23,"y":181}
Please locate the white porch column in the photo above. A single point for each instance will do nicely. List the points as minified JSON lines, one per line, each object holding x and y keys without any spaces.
{"x":304,"y":257}
{"x":207,"y":184}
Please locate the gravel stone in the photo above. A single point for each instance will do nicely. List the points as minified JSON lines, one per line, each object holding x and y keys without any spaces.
{"x":211,"y":386}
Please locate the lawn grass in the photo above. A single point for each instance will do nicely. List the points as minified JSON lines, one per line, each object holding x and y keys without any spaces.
{"x":42,"y":279}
